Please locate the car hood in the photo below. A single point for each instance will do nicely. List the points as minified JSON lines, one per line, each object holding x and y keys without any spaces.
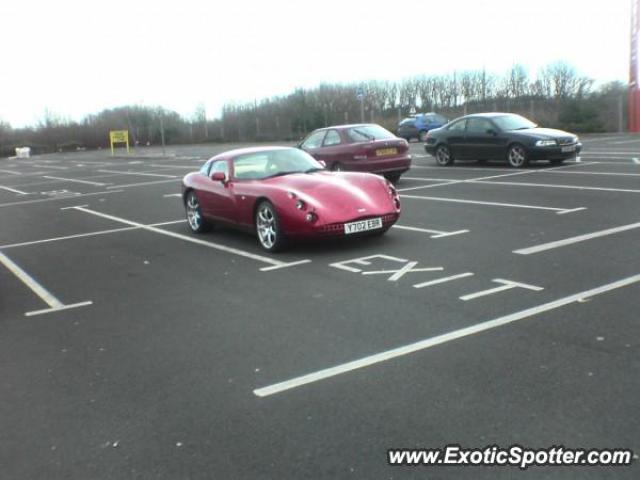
{"x":545,"y":133}
{"x":344,"y":193}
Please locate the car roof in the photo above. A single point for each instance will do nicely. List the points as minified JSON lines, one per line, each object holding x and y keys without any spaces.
{"x":488,"y":114}
{"x":343,"y":127}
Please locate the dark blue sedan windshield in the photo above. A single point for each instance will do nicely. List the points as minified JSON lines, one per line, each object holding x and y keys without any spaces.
{"x":513,"y":122}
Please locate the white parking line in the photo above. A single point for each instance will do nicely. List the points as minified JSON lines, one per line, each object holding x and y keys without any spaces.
{"x":431,"y":179}
{"x":285,"y":265}
{"x":506,"y":285}
{"x":443,"y":280}
{"x":186,"y":238}
{"x":49,"y":166}
{"x":142,"y":184}
{"x":494,"y":204}
{"x":440,"y":339}
{"x":11,"y":172}
{"x":138,"y":173}
{"x":63,"y":307}
{"x":552,"y":185}
{"x":588,"y":172}
{"x":398,"y":274}
{"x":83,"y":235}
{"x":13,"y":190}
{"x":76,"y":181}
{"x":167,"y":195}
{"x":422,"y":187}
{"x":25,"y":278}
{"x":577,"y":239}
{"x":571,"y":210}
{"x":609,"y":152}
{"x":74,"y":206}
{"x":52,"y":199}
{"x":434,"y":233}
{"x":39,"y":290}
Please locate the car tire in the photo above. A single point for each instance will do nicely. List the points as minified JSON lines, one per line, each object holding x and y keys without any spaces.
{"x":337,"y":167}
{"x":268,"y":231}
{"x":517,"y":155}
{"x":393,"y":177}
{"x":423,"y":136}
{"x":443,"y":156}
{"x":195,"y":220}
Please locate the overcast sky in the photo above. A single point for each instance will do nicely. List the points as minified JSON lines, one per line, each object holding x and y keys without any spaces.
{"x":79,"y":57}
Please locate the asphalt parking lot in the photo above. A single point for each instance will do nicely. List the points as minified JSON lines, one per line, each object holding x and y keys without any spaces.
{"x":502,"y":309}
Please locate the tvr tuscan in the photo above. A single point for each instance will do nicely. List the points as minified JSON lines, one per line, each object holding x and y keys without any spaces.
{"x":283,"y":193}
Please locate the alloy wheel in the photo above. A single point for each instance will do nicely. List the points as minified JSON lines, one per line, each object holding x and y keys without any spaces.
{"x":443,"y":156}
{"x":266,"y":226}
{"x":193,"y":213}
{"x":517,"y":156}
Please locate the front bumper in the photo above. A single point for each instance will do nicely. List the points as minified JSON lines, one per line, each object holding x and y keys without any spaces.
{"x":336,"y":230}
{"x":554,"y":153}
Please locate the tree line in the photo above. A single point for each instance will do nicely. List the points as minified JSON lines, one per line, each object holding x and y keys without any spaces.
{"x":557,"y":97}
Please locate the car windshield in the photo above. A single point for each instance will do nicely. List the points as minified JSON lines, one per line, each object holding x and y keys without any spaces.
{"x":513,"y":122}
{"x":366,"y":133}
{"x":273,"y":163}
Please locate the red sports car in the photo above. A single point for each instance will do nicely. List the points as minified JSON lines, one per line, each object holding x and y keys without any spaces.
{"x":283,"y":193}
{"x":362,"y":148}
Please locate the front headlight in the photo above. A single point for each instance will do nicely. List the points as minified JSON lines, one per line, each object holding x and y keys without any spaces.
{"x":546,"y":143}
{"x":391,"y":188}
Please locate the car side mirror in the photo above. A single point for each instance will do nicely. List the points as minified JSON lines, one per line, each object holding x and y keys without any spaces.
{"x":219,"y":177}
{"x":491,"y":131}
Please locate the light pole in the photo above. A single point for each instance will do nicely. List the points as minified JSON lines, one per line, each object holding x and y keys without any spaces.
{"x":162,"y":133}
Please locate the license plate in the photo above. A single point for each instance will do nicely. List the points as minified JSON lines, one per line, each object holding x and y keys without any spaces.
{"x":362,"y":226}
{"x":570,"y":148}
{"x":386,"y":151}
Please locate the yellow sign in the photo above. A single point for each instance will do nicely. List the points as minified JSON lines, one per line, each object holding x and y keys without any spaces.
{"x":119,"y":136}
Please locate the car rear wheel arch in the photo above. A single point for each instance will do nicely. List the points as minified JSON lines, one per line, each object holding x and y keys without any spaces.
{"x":185,"y":195}
{"x":256,"y":204}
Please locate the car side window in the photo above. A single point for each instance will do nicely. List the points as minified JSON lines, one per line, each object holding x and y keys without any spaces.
{"x":478,"y":125}
{"x":314,"y":140}
{"x":220,"y":166}
{"x":332,"y":138}
{"x":204,"y":170}
{"x":458,"y":126}
{"x":250,"y":167}
{"x":406,"y":121}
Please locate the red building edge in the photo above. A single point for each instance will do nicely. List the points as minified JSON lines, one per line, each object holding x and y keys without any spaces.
{"x":634,"y":91}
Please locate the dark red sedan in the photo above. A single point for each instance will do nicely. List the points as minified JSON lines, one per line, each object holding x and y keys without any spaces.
{"x":282,"y":193}
{"x":361,"y":148}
